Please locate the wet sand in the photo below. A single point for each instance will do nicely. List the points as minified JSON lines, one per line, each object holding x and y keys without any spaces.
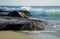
{"x":43,"y":34}
{"x":46,"y":35}
{"x":13,"y":35}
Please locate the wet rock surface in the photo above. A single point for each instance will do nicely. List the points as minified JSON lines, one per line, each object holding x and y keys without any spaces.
{"x":21,"y":20}
{"x":16,"y":22}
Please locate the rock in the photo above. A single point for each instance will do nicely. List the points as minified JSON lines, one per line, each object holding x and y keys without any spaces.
{"x":13,"y":13}
{"x":2,"y":26}
{"x":25,"y":12}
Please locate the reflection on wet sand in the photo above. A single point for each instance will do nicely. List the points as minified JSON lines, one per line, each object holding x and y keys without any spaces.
{"x":42,"y":35}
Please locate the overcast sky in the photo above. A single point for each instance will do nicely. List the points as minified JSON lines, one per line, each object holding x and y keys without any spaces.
{"x":30,"y":2}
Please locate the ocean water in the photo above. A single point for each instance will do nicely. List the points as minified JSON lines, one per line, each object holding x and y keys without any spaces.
{"x":47,"y":13}
{"x":52,"y":16}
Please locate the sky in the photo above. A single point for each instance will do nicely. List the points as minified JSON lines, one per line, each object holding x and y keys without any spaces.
{"x":30,"y":2}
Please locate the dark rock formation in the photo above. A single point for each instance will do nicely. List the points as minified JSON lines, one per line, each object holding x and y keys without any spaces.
{"x":18,"y":27}
{"x":33,"y":25}
{"x":25,"y":12}
{"x":3,"y":11}
{"x":20,"y":13}
{"x":13,"y":13}
{"x":0,"y":10}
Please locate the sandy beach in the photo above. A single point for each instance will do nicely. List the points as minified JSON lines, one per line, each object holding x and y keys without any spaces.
{"x":13,"y":35}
